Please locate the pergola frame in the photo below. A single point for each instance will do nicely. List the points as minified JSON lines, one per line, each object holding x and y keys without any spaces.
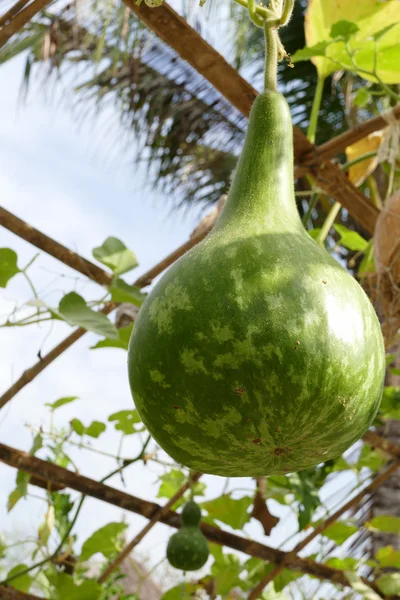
{"x":316,"y":161}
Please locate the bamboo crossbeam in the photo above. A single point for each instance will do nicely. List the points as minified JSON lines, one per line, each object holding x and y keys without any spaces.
{"x":369,"y":489}
{"x":54,"y":248}
{"x":191,"y":47}
{"x":89,"y":487}
{"x":18,"y":18}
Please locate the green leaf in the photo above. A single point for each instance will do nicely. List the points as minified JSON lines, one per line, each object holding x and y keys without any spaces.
{"x":183,"y":591}
{"x":95,"y":429}
{"x":371,"y":459}
{"x":228,"y":510}
{"x":390,"y":405}
{"x":314,"y":233}
{"x":362,"y":97}
{"x":171,"y":482}
{"x":74,"y":310}
{"x":78,"y":426}
{"x":310,"y":51}
{"x":343,"y":29}
{"x":125,"y":421}
{"x":123,"y":292}
{"x":114,"y":254}
{"x":367,"y":264}
{"x":388,"y":557}
{"x":385,"y":523}
{"x":67,"y":589}
{"x":22,"y":583}
{"x":21,"y":490}
{"x":284,"y":578}
{"x":106,"y":540}
{"x":373,"y":40}
{"x":360,"y":587}
{"x":339,"y":532}
{"x":8,"y":265}
{"x":395,"y":372}
{"x":344,"y":564}
{"x":62,"y":507}
{"x":350,"y":239}
{"x":37,"y":443}
{"x":389,"y":584}
{"x":61,"y":402}
{"x":225,"y":570}
{"x":3,"y":546}
{"x":122,"y":341}
{"x":303,"y":486}
{"x":46,"y":527}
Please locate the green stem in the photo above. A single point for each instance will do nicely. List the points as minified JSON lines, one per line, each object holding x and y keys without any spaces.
{"x":271,"y":58}
{"x":357,"y":160}
{"x":311,"y":206}
{"x":329,"y":221}
{"x":286,"y":12}
{"x":312,"y":127}
{"x":257,"y":20}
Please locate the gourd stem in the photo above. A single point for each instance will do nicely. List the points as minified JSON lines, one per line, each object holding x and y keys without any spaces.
{"x":271,"y":58}
{"x":312,"y":127}
{"x":329,"y":221}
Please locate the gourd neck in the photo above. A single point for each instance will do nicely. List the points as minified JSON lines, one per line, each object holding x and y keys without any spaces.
{"x":261,"y":197}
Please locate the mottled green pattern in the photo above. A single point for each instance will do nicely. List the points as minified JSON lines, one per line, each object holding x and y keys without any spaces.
{"x":187,"y":549}
{"x":257,"y":353}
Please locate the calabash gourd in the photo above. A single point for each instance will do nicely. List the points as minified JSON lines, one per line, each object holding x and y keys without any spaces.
{"x":257,"y":353}
{"x":188,"y":548}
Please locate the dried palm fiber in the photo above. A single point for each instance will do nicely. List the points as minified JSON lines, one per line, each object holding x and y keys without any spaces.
{"x":383,"y":286}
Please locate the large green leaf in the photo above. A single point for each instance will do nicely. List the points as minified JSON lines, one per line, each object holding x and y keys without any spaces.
{"x":123,"y":292}
{"x":339,"y":532}
{"x":8,"y":265}
{"x":229,"y":510}
{"x":67,"y":589}
{"x":61,"y":402}
{"x":125,"y":421}
{"x":389,"y":584}
{"x":361,"y":22}
{"x":106,"y":540}
{"x":116,"y":256}
{"x":388,"y":557}
{"x":22,"y":583}
{"x":385,"y":523}
{"x":122,"y":341}
{"x":350,"y":239}
{"x":74,"y":310}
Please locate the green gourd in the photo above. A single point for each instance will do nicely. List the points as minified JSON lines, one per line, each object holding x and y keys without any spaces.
{"x":188,"y":549}
{"x":257,"y":353}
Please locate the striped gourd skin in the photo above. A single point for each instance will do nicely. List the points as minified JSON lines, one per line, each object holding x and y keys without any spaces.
{"x":257,"y":353}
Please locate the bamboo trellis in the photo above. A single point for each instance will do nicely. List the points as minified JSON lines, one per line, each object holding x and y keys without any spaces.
{"x":175,"y":31}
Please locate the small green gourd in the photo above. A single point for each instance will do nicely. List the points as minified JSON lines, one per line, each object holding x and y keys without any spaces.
{"x":188,"y":548}
{"x":257,"y":353}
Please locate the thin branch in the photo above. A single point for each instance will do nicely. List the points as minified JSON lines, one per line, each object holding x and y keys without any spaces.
{"x":369,"y":489}
{"x":10,"y":593}
{"x":143,"y":280}
{"x":336,"y":146}
{"x":376,"y":441}
{"x":161,"y":512}
{"x":21,"y":19}
{"x":31,"y":464}
{"x":55,"y":249}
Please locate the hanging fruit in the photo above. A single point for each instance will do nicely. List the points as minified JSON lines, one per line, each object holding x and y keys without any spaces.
{"x":188,"y":549}
{"x":257,"y":353}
